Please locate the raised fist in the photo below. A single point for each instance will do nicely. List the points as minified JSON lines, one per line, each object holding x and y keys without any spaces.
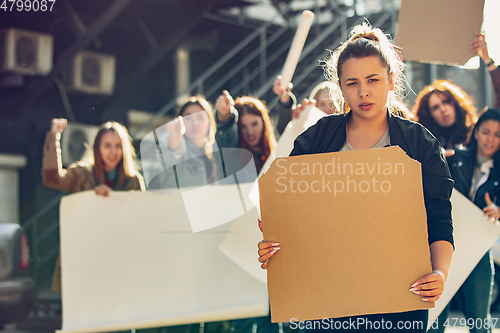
{"x":58,"y":125}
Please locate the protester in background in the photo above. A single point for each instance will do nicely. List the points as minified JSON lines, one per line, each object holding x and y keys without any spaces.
{"x":250,"y":120}
{"x":482,"y":272}
{"x":255,"y":129}
{"x":478,"y":46}
{"x":287,"y":103}
{"x":476,"y":172}
{"x":370,"y":76}
{"x":109,"y":166}
{"x":226,"y":119}
{"x":187,"y":142}
{"x":447,"y":111}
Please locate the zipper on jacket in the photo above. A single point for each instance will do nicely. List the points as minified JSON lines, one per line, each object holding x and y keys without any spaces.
{"x":456,"y":166}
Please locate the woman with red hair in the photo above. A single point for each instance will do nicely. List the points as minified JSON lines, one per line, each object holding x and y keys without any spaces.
{"x":447,"y":111}
{"x":248,"y":120}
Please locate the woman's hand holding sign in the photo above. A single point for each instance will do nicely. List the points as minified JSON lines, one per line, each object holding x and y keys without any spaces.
{"x":266,"y":250}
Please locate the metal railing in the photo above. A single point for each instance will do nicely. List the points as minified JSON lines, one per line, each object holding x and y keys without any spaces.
{"x":32,"y":227}
{"x":260,"y":58}
{"x":264,"y":73}
{"x":198,"y":84}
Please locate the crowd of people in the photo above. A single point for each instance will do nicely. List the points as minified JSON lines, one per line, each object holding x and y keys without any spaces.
{"x":457,"y":146}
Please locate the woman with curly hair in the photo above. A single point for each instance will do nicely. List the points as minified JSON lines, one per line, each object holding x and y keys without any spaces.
{"x":447,"y":111}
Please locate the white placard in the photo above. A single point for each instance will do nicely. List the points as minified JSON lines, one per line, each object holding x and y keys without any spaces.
{"x":474,"y":236}
{"x":131,"y":260}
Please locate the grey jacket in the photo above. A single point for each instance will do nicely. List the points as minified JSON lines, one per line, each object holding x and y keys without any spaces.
{"x":186,"y":167}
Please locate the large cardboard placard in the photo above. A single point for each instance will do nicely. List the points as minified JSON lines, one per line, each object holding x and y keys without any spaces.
{"x":438,"y":31}
{"x":352,"y":231}
{"x":132,"y":261}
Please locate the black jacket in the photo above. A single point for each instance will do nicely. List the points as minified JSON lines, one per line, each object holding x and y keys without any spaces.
{"x":462,"y":169}
{"x":329,"y":135}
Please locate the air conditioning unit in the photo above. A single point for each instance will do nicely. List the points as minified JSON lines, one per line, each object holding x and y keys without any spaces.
{"x":25,"y":52}
{"x":92,"y":73}
{"x":75,"y":140}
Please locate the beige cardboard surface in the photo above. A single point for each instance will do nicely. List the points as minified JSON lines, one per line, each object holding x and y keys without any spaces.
{"x":352,"y":243}
{"x":438,"y":31}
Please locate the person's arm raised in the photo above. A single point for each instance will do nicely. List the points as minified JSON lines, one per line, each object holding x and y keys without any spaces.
{"x":176,"y":131}
{"x":478,"y":46}
{"x":53,"y":174}
{"x":223,"y":104}
{"x":284,"y":94}
{"x":286,"y":104}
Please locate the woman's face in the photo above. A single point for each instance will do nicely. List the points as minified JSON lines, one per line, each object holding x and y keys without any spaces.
{"x":251,"y":127}
{"x":488,"y":138}
{"x":442,"y":109}
{"x":365,"y":85}
{"x":111,"y":150}
{"x":197,"y":124}
{"x":323,"y":102}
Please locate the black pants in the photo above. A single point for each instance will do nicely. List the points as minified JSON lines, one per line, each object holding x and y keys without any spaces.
{"x":411,"y":321}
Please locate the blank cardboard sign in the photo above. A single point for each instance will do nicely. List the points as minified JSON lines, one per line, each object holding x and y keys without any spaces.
{"x":352,"y":231}
{"x":438,"y":31}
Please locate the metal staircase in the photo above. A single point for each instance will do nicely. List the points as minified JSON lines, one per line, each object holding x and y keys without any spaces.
{"x":252,"y":65}
{"x":43,"y":232}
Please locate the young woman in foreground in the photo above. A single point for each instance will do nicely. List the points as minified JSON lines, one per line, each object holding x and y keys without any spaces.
{"x":369,"y":74}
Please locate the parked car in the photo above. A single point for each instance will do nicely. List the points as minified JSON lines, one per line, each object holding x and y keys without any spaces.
{"x":17,"y":287}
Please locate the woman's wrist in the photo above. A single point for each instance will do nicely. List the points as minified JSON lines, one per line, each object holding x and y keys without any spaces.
{"x":224,"y":114}
{"x":490,"y":64}
{"x":285,"y":98}
{"x":55,"y":135}
{"x":438,"y":271}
